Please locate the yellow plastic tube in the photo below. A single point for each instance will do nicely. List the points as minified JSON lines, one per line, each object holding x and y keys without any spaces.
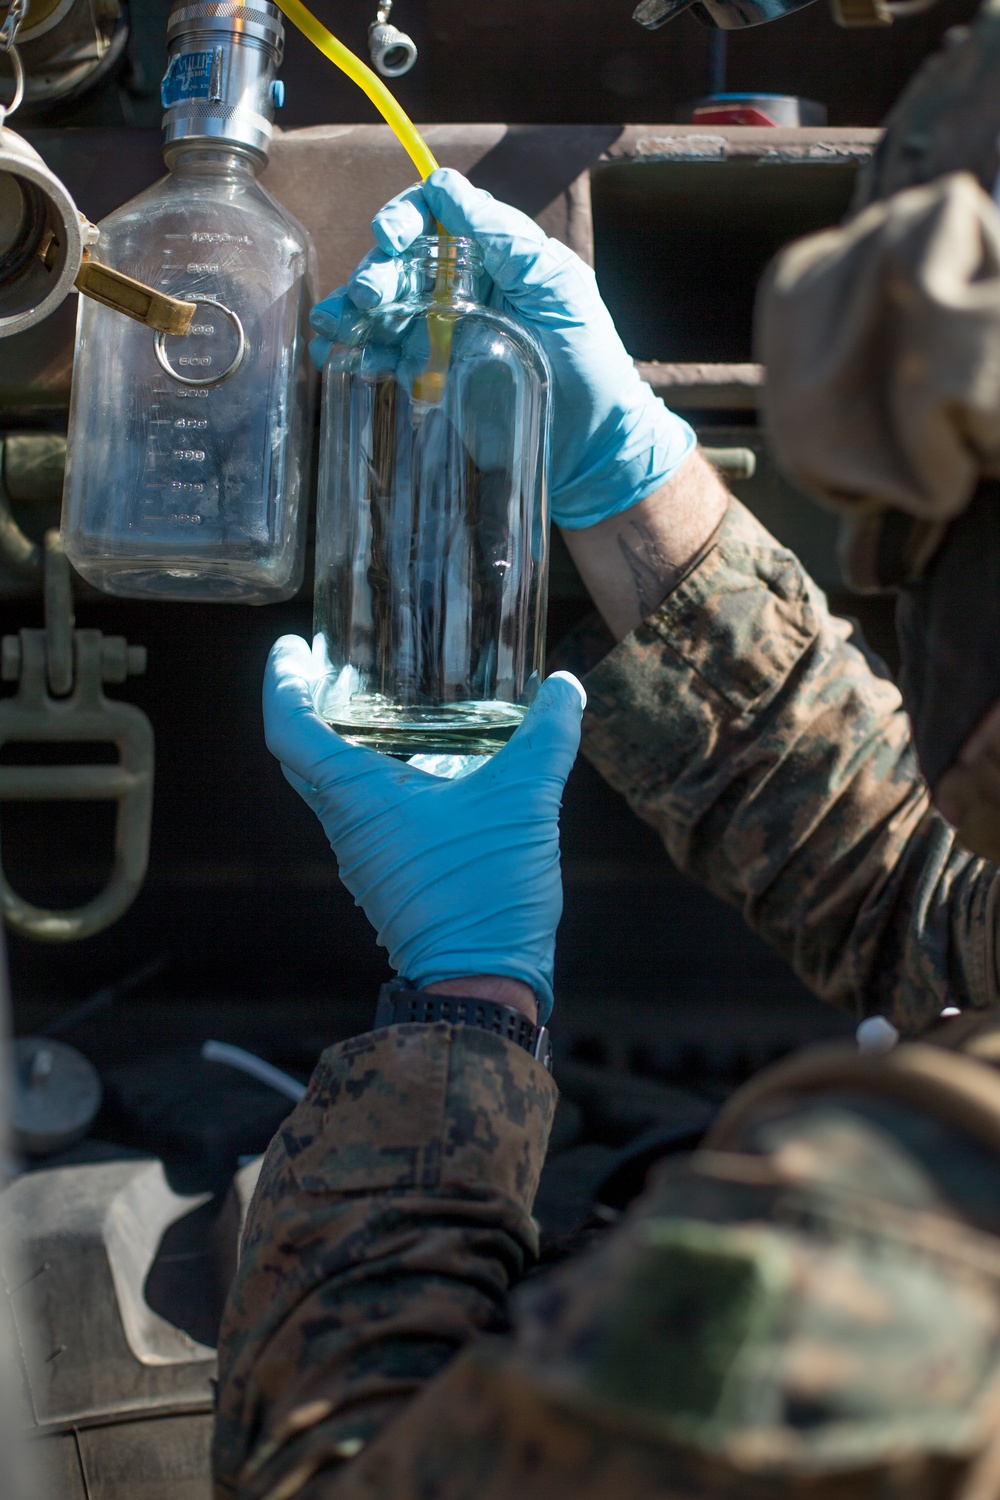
{"x":370,"y":83}
{"x":429,"y":385}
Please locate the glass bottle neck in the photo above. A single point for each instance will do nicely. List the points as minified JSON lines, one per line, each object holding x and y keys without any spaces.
{"x":443,"y":271}
{"x":212,"y":161}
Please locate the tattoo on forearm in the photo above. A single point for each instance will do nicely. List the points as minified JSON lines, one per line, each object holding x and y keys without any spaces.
{"x":652,"y":573}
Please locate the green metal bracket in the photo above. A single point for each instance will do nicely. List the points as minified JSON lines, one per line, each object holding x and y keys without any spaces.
{"x":60,"y":674}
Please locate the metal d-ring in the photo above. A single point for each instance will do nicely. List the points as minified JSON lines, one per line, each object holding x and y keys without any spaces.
{"x":231,"y":368}
{"x":14,"y":58}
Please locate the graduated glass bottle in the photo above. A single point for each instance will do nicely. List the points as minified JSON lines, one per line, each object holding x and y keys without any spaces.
{"x":186,"y":456}
{"x":179,"y":484}
{"x":432,"y":517}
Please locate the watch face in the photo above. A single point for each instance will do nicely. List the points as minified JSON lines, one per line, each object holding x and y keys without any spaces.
{"x":543,"y":1048}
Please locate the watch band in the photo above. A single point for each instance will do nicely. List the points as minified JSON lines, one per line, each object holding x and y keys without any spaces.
{"x":401,"y":1003}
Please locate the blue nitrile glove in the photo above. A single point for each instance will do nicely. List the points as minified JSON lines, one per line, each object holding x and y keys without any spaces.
{"x":457,"y":877}
{"x":613,"y":441}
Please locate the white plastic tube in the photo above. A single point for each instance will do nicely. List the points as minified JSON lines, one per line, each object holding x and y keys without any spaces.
{"x":255,"y":1067}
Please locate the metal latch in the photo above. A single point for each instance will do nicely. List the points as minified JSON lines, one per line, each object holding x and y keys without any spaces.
{"x":60,"y":672}
{"x":133,"y":298}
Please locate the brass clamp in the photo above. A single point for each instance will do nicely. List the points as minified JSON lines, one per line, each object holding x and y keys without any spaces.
{"x":60,"y":672}
{"x":135,"y":299}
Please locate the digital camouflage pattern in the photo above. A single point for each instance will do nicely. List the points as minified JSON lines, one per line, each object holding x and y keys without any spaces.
{"x":810,"y":1306}
{"x":392,"y":1214}
{"x":766,"y":744}
{"x":813,"y":1308}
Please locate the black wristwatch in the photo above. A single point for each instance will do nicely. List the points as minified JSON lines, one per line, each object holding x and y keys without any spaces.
{"x":400,"y":1002}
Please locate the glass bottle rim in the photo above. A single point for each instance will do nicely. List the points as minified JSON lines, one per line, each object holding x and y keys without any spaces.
{"x":463,"y":251}
{"x":189,"y":151}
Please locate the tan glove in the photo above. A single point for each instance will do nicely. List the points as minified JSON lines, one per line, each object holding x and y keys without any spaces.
{"x":882,"y":346}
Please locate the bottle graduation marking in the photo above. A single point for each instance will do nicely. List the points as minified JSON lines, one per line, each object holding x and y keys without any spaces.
{"x":163,"y":494}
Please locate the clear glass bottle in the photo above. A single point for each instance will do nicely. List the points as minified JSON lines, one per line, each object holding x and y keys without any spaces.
{"x":186,"y":456}
{"x":432,"y":517}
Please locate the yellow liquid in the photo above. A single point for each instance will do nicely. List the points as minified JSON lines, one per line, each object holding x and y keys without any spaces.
{"x":405,"y":730}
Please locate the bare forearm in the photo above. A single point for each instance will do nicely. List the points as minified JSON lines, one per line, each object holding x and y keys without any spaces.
{"x":631,"y":562}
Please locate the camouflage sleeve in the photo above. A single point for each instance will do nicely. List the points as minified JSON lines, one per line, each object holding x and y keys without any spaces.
{"x":754,"y":731}
{"x":392,"y":1214}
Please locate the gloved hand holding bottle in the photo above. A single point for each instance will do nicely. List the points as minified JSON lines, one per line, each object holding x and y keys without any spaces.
{"x":458,"y":877}
{"x":613,"y":442}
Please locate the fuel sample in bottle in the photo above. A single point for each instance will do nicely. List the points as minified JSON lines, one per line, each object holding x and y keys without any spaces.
{"x":184,"y":476}
{"x":432,"y":523}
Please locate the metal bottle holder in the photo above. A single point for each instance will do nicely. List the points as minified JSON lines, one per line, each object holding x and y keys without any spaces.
{"x":60,"y":672}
